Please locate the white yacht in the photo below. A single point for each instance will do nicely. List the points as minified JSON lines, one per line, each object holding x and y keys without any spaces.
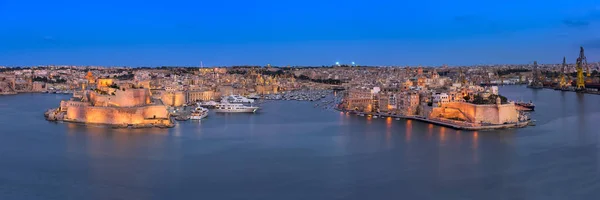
{"x":226,"y":107}
{"x":199,"y":113}
{"x":253,"y":96}
{"x":209,"y":104}
{"x":238,"y":99}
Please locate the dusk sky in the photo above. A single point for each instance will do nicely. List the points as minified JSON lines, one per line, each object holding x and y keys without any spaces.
{"x":308,"y":32}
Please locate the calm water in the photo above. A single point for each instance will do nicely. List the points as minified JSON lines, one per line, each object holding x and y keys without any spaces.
{"x":294,"y":151}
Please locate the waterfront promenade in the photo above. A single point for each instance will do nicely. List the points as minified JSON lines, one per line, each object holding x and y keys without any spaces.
{"x":8,"y":93}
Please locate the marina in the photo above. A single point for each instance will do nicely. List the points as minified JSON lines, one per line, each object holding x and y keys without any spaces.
{"x":300,"y":95}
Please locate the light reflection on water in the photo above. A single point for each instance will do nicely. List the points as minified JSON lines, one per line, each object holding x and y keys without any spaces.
{"x":408,"y":131}
{"x":442,"y":134}
{"x":388,"y":132}
{"x":475,"y":147}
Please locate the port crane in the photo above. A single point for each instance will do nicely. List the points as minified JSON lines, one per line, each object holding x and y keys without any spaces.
{"x":563,"y":71}
{"x":579,"y":66}
{"x":537,"y":79}
{"x":536,"y":72}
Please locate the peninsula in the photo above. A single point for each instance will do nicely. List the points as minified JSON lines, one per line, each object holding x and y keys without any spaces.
{"x":104,"y":101}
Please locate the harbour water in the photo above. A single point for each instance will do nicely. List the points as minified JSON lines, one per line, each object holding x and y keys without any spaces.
{"x":292,"y":150}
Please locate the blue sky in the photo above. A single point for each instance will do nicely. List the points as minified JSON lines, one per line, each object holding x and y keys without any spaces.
{"x":309,"y":32}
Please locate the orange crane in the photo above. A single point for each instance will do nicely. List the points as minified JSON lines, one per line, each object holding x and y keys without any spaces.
{"x":579,"y":66}
{"x":563,"y":69}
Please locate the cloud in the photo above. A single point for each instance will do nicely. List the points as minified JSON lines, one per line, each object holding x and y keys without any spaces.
{"x":576,"y":23}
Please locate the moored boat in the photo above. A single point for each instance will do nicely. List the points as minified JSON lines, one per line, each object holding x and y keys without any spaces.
{"x":238,"y":99}
{"x":199,"y":113}
{"x":182,"y":118}
{"x":528,"y":106}
{"x":226,"y":107}
{"x":253,"y":96}
{"x":208,"y":104}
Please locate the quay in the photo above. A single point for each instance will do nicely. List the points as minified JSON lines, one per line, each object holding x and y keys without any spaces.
{"x":447,"y":123}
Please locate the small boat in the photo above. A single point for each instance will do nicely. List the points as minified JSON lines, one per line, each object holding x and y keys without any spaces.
{"x":209,"y":104}
{"x":528,"y":106}
{"x":199,"y":113}
{"x":375,"y":116}
{"x":253,"y":96}
{"x":532,"y":123}
{"x":182,"y":118}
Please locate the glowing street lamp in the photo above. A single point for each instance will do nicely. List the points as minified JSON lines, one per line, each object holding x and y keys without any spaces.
{"x":337,"y":63}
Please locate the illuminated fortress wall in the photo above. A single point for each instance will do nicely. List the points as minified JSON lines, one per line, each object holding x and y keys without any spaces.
{"x":80,"y":112}
{"x":175,"y":99}
{"x":494,"y":114}
{"x":127,"y":98}
{"x":125,"y":107}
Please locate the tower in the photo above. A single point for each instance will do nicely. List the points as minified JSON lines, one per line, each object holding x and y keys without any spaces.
{"x":31,"y":79}
{"x":434,"y":74}
{"x":579,"y":67}
{"x":463,"y":79}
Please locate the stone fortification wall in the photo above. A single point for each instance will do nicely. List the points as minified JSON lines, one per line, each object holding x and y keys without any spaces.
{"x":154,"y":114}
{"x":508,"y":113}
{"x":494,"y":114}
{"x":449,"y":113}
{"x":175,"y":99}
{"x":132,"y":97}
{"x":127,"y":98}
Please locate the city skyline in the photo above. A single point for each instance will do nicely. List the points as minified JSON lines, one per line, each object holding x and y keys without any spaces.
{"x":184,"y":33}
